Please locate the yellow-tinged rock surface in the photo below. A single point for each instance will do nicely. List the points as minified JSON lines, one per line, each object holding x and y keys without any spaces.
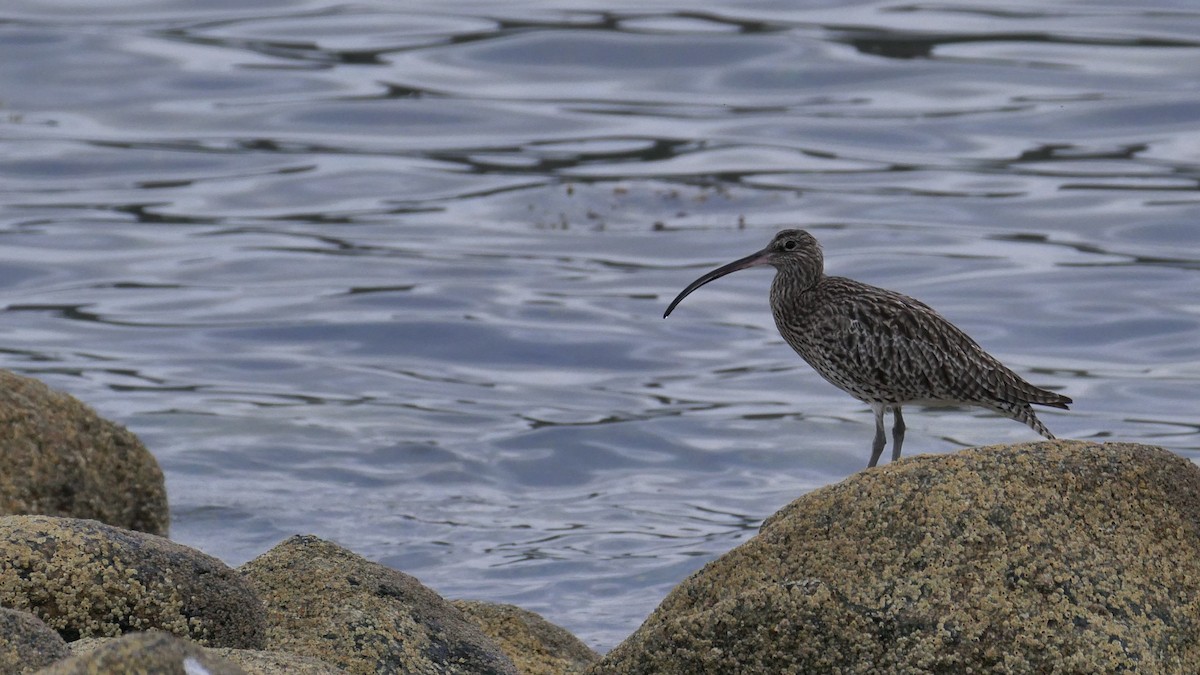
{"x":1055,"y":556}
{"x":332,"y":604}
{"x":535,"y":645}
{"x":60,"y":458}
{"x":87,"y":579}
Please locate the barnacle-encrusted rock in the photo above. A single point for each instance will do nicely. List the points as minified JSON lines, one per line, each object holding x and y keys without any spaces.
{"x":535,"y":645}
{"x":61,"y":459}
{"x":26,"y":642}
{"x":85,"y":579}
{"x":1061,"y":557}
{"x":332,"y":604}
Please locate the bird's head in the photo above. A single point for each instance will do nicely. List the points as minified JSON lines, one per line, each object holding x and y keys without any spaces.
{"x":792,"y":252}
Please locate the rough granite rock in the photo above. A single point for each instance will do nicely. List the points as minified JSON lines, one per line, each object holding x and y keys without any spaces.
{"x":26,"y":643}
{"x":535,"y":645}
{"x":61,"y":459}
{"x":85,"y":578}
{"x":1061,"y":557}
{"x":256,"y":662}
{"x":329,"y":603}
{"x":152,"y":653}
{"x":253,"y":661}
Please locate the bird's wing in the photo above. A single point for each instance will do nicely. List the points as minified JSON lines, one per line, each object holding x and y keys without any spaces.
{"x":889,"y":342}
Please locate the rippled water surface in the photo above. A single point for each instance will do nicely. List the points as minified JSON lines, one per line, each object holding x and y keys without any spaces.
{"x":393,"y":273}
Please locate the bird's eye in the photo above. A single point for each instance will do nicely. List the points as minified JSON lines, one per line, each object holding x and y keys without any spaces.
{"x":789,"y":245}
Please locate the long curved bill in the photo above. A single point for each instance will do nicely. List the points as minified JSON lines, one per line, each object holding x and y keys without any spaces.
{"x":759,"y":258}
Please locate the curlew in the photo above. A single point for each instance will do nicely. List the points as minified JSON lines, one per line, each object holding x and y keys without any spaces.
{"x":881,"y":347}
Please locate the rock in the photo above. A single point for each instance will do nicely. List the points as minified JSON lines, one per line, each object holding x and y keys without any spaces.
{"x":1060,"y":557}
{"x":256,"y":662}
{"x":329,"y":603}
{"x":62,"y":459}
{"x":253,"y":661}
{"x":85,"y":578}
{"x":26,"y":643}
{"x":535,"y":645}
{"x":87,"y":644}
{"x":153,"y":653}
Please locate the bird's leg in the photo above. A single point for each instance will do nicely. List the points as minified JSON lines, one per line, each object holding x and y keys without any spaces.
{"x":880,"y":439}
{"x":897,"y":432}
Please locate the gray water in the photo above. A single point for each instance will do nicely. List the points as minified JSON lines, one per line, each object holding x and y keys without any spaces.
{"x":393,"y":273}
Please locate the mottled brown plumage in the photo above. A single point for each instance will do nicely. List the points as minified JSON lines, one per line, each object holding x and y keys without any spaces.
{"x":882,"y":347}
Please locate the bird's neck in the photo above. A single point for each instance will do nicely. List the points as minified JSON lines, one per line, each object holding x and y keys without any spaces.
{"x":792,"y":285}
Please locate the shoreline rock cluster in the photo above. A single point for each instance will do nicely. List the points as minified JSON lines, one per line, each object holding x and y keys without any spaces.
{"x":89,"y":583}
{"x":1055,"y":556}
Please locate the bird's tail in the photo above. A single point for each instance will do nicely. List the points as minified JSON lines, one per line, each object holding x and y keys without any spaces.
{"x":1023,"y":412}
{"x":1023,"y":391}
{"x":1052,"y":399}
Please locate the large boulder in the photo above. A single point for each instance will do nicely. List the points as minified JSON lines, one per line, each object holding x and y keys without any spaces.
{"x":59,"y":458}
{"x":86,"y":579}
{"x":1061,"y":557}
{"x":329,"y":603}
